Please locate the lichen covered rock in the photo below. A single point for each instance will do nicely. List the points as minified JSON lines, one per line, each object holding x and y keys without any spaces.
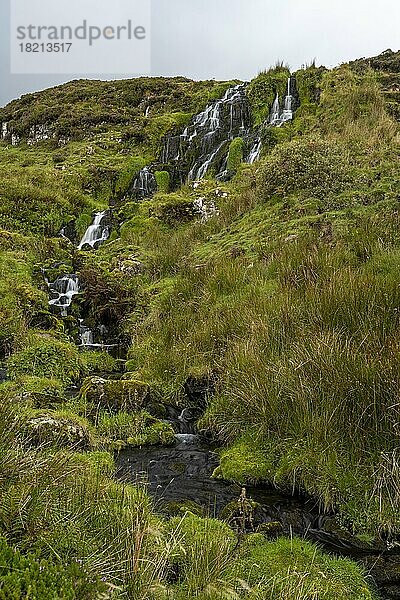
{"x":58,"y":429}
{"x":114,"y":395}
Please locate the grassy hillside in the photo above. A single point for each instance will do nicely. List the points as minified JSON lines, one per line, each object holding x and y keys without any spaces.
{"x":286,"y":298}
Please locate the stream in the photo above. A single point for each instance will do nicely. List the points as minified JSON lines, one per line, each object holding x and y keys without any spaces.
{"x":183,"y":471}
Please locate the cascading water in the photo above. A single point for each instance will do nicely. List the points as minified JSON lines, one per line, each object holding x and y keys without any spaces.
{"x":97,"y":233}
{"x":63,"y":289}
{"x":277,"y":116}
{"x":228,"y":118}
{"x":255,"y":151}
{"x":287,"y":114}
{"x":93,"y":340}
{"x":86,"y":336}
{"x":199,"y":170}
{"x":145,"y":184}
{"x":205,"y":141}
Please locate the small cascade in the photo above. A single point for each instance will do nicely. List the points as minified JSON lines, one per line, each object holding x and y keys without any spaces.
{"x":287,"y":114}
{"x":275,"y":116}
{"x":63,"y":289}
{"x":145,"y":184}
{"x":86,"y":336}
{"x":90,"y":340}
{"x":280,"y":116}
{"x":97,"y":233}
{"x":255,"y":151}
{"x":200,"y":169}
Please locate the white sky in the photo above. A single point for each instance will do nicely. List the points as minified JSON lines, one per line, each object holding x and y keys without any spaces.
{"x":226,"y":39}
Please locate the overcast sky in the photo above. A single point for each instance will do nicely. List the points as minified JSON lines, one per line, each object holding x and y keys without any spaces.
{"x":227,"y":39}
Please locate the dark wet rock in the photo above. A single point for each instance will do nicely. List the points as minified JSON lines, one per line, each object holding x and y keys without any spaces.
{"x":144,"y":185}
{"x":199,"y":390}
{"x":69,"y":232}
{"x":271,"y":530}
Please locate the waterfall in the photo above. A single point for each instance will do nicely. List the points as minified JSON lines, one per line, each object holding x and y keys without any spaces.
{"x":214,"y":128}
{"x":277,"y":117}
{"x":287,"y":114}
{"x":198,"y":171}
{"x":145,"y":184}
{"x":64,"y":288}
{"x":86,"y":336}
{"x":255,"y":152}
{"x":275,"y":112}
{"x":204,"y":142}
{"x":97,"y":233}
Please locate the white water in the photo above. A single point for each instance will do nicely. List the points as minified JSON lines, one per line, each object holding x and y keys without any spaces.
{"x":255,"y":152}
{"x":186,"y":439}
{"x":287,"y":114}
{"x":145,"y":183}
{"x":275,"y":111}
{"x":199,"y":172}
{"x":86,"y":336}
{"x":211,"y":117}
{"x":278,"y":117}
{"x":209,"y":124}
{"x":96,"y":233}
{"x":64,"y":289}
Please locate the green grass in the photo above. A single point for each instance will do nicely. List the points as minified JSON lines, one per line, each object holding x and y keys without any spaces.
{"x":287,"y":297}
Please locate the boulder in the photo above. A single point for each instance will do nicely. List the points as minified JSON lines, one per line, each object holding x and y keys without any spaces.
{"x":58,"y":430}
{"x":114,"y":395}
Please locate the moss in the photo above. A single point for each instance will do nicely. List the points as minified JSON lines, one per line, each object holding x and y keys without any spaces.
{"x":271,"y":530}
{"x":100,"y":362}
{"x":235,"y":154}
{"x":263,"y":89}
{"x":134,"y":429}
{"x":163,"y":181}
{"x":47,"y":357}
{"x":128,"y":174}
{"x":40,"y":391}
{"x":61,"y":429}
{"x":174,"y":509}
{"x":30,"y":575}
{"x":113,"y":395}
{"x":292,"y":567}
{"x":244,"y":463}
